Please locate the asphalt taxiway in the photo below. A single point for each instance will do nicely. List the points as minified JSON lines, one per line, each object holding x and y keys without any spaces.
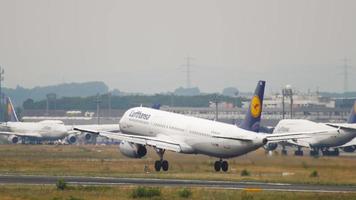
{"x":241,"y":185}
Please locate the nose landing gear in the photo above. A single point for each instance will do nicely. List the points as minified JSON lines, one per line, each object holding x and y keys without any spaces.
{"x":161,"y":164}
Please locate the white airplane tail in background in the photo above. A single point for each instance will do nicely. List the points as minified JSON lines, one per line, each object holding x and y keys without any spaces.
{"x":11,"y":113}
{"x":352,"y":117}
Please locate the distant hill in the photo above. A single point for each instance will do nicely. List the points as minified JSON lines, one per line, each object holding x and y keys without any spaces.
{"x":20,"y":94}
{"x":125,"y":102}
{"x":230,"y":91}
{"x":187,"y":91}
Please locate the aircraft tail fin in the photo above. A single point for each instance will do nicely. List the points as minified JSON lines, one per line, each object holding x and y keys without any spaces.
{"x":156,"y":106}
{"x":11,"y":113}
{"x":352,"y":117}
{"x":252,"y":119}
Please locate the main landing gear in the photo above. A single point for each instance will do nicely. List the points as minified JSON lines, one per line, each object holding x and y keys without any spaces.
{"x":327,"y":152}
{"x":284,"y":151}
{"x":314,"y":152}
{"x":299,"y":152}
{"x":221,"y":165}
{"x":161,"y":164}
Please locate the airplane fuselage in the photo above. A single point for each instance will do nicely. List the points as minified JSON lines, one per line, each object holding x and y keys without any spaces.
{"x":196,"y":135}
{"x":47,"y":131}
{"x":330,"y":136}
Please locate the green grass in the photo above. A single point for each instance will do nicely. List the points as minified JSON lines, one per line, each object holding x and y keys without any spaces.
{"x":37,"y":192}
{"x":145,"y":192}
{"x":65,"y":160}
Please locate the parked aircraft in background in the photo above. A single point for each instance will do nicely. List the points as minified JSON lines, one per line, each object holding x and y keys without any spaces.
{"x":351,"y":123}
{"x":331,"y":135}
{"x":141,"y":127}
{"x":47,"y":130}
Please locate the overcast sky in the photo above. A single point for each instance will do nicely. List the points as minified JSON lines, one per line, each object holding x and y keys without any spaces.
{"x":140,"y":46}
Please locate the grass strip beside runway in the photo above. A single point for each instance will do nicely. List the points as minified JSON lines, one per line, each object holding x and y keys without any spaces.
{"x":41,"y":192}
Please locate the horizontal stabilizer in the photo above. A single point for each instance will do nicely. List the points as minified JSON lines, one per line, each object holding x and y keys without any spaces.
{"x":234,"y":138}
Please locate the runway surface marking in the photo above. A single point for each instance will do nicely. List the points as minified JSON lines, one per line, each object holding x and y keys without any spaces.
{"x":241,"y":185}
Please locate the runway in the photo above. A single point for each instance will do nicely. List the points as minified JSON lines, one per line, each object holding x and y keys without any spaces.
{"x":253,"y":186}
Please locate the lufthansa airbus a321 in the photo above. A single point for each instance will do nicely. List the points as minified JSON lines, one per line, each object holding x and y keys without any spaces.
{"x":141,"y":127}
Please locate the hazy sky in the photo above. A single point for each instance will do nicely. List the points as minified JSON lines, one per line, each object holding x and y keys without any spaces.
{"x":140,"y":45}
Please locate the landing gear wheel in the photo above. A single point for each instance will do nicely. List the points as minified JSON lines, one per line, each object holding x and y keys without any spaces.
{"x":158,"y":165}
{"x":331,"y":153}
{"x":217,"y":166}
{"x":336,"y":152}
{"x":284,"y":152}
{"x":326,"y":152}
{"x":314,"y":153}
{"x":224,"y":166}
{"x":161,"y":163}
{"x":165,"y":165}
{"x":298,"y":153}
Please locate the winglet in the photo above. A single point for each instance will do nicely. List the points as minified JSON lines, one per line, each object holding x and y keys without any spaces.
{"x":11,"y":113}
{"x":352,"y":117}
{"x":253,"y":116}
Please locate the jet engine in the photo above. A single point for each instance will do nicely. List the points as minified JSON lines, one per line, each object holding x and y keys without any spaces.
{"x":349,"y":149}
{"x":13,"y":139}
{"x":71,"y":139}
{"x":88,"y":136}
{"x":132,"y":150}
{"x":270,"y":146}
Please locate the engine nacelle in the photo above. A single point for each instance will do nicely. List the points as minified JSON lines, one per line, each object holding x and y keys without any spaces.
{"x":349,"y":149}
{"x":13,"y":139}
{"x":132,"y":150}
{"x":88,"y":136}
{"x":72,"y":138}
{"x":270,"y":146}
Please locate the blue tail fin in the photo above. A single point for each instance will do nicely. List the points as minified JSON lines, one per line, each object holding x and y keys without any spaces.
{"x":253,"y":116}
{"x":156,"y":106}
{"x":11,"y":113}
{"x":352,"y":117}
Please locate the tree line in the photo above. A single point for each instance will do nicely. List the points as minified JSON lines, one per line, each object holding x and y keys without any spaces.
{"x":125,"y":102}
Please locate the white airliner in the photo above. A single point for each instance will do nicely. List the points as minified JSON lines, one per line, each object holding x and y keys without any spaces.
{"x":47,"y":130}
{"x":330,"y":135}
{"x":351,"y":124}
{"x":141,"y":127}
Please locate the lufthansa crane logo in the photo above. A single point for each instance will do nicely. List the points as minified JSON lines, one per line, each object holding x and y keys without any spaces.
{"x":9,"y":109}
{"x":256,"y":107}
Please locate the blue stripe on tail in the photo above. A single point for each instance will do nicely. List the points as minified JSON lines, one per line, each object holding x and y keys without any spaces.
{"x":352,"y":117}
{"x":253,"y":116}
{"x":11,"y":113}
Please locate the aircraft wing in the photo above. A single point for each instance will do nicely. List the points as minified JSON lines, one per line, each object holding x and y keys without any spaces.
{"x":278,"y":137}
{"x":162,"y":142}
{"x":298,"y":143}
{"x":346,"y":127}
{"x":96,"y":128}
{"x":27,"y":134}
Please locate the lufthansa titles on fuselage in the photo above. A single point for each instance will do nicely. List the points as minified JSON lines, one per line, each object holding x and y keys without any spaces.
{"x":139,"y":115}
